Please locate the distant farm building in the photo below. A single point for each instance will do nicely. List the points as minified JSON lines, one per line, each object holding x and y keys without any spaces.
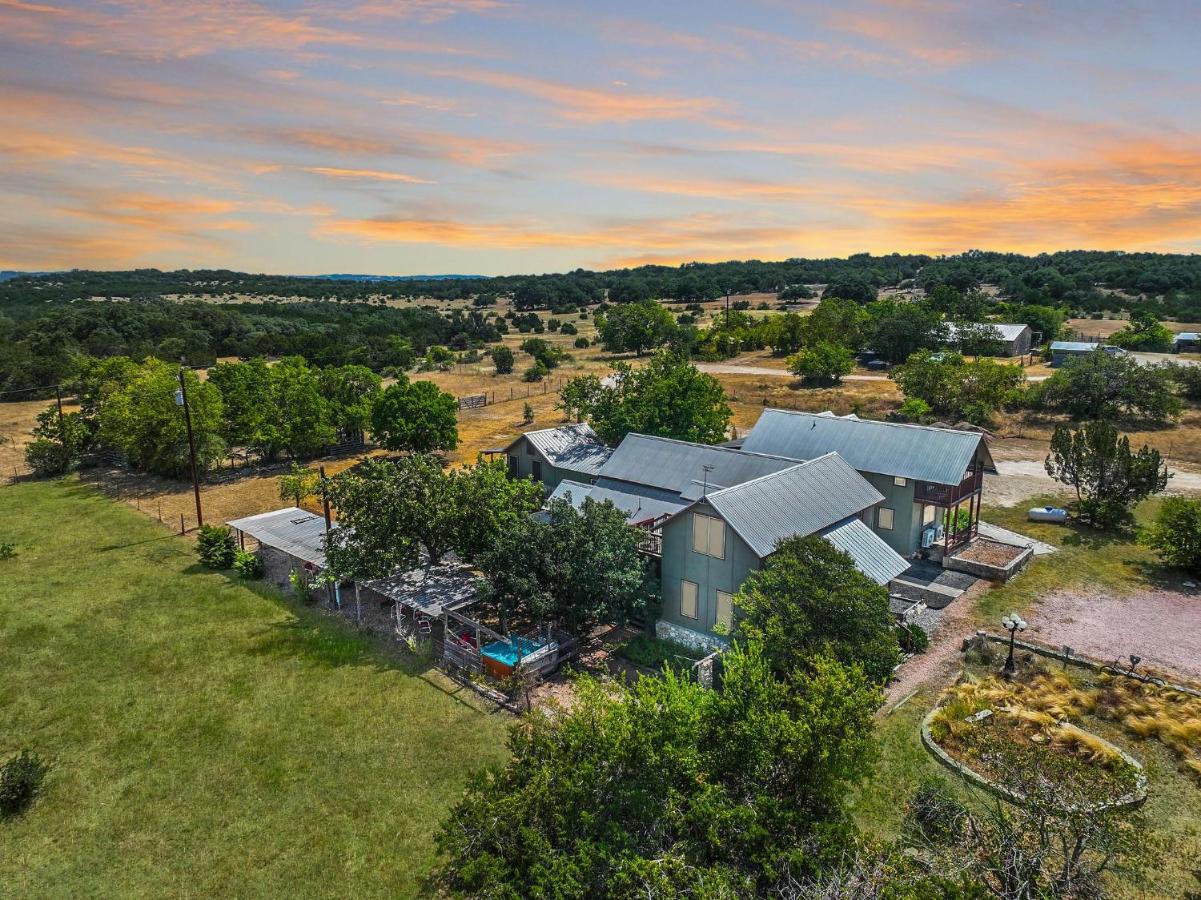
{"x":287,"y":540}
{"x":1187,"y":342}
{"x":1012,"y":340}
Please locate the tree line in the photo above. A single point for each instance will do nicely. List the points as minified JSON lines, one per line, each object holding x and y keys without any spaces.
{"x":287,"y":408}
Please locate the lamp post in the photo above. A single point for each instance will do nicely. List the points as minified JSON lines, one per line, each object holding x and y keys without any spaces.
{"x":1013,"y":623}
{"x":181,"y":399}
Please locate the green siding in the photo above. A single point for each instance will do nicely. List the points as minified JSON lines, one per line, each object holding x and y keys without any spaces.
{"x":526,"y":456}
{"x":681,"y":563}
{"x":906,"y":533}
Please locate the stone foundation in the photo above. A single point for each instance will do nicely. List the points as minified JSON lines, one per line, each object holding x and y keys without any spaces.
{"x":697,"y":640}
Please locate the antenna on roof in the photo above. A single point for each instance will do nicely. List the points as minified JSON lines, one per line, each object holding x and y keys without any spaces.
{"x":705,"y":484}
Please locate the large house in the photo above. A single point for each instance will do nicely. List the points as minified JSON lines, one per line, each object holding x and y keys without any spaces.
{"x":930,"y":479}
{"x":880,"y":491}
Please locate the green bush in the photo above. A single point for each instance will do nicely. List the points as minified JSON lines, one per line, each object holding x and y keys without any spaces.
{"x":215,"y":546}
{"x":7,"y":550}
{"x":582,"y":343}
{"x":20,"y":782}
{"x":536,"y":372}
{"x":912,"y":638}
{"x":654,"y":653}
{"x":248,"y":565}
{"x":933,"y":813}
{"x":1176,"y":534}
{"x":568,"y":328}
{"x":914,"y":409}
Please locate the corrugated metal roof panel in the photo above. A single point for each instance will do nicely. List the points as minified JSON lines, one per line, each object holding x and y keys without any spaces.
{"x":1006,"y":331}
{"x":941,"y":455}
{"x":1074,"y":346}
{"x":430,"y":589}
{"x":575,"y":447}
{"x":1188,"y":336}
{"x":639,"y":504}
{"x":873,"y":557}
{"x":295,"y":531}
{"x":796,"y":501}
{"x":679,"y":466}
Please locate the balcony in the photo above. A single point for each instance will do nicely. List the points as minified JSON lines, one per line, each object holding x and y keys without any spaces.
{"x":651,"y":540}
{"x":948,"y":494}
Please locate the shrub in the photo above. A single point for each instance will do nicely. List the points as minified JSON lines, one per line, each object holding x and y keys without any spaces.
{"x":655,"y":653}
{"x":248,"y":565}
{"x":912,"y":638}
{"x":527,"y":414}
{"x":536,"y":372}
{"x":582,"y":343}
{"x":914,"y":409}
{"x":568,"y":328}
{"x":301,"y":586}
{"x":7,"y":550}
{"x":20,"y":782}
{"x":933,"y":813}
{"x":741,"y":304}
{"x":1176,"y":534}
{"x":823,"y":363}
{"x":215,"y":546}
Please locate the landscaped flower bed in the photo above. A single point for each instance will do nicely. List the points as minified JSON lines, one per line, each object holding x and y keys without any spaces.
{"x":1017,"y":737}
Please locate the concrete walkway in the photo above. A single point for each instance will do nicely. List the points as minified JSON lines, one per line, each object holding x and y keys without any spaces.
{"x":1013,"y":539}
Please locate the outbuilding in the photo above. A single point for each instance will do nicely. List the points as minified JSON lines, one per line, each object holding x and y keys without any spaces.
{"x":1012,"y":339}
{"x":286,"y":540}
{"x":1187,"y":342}
{"x":551,"y":455}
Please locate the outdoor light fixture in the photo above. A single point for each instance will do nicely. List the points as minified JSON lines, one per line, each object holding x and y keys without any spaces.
{"x":1013,"y":623}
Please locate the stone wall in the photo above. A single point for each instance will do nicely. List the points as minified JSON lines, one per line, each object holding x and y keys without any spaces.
{"x":697,"y":640}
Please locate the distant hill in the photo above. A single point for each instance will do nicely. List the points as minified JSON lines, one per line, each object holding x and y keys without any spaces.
{"x":7,"y":274}
{"x":349,"y":277}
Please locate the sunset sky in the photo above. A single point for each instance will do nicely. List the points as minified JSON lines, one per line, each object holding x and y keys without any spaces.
{"x":487,"y":136}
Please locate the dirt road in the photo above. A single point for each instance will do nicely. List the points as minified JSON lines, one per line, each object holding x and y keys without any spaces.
{"x":734,"y":369}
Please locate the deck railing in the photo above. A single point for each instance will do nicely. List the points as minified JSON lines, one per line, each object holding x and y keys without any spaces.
{"x":948,"y":494}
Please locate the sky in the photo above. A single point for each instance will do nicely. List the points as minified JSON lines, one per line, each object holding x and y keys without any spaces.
{"x":512,"y":136}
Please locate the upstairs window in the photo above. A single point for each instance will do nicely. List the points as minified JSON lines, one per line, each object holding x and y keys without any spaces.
{"x":709,"y":536}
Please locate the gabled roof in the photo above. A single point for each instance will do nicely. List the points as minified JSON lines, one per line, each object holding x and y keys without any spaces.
{"x":872,"y":556}
{"x":679,"y":466}
{"x":1007,"y":332}
{"x":293,"y":530}
{"x":920,"y":452}
{"x":576,"y":447}
{"x":796,"y":501}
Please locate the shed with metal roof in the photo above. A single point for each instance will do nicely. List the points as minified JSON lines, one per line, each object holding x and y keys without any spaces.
{"x":551,"y":455}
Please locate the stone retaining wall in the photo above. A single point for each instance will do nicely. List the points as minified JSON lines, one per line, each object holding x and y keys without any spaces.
{"x":987,"y":571}
{"x":697,"y":640}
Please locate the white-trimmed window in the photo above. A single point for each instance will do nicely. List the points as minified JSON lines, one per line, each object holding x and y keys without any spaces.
{"x":899,"y":481}
{"x":928,"y":514}
{"x":708,"y":535}
{"x":725,"y":610}
{"x":885,"y":518}
{"x":688,"y":599}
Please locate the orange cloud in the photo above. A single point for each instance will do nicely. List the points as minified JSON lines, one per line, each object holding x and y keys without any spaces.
{"x":593,"y":105}
{"x":365,"y":175}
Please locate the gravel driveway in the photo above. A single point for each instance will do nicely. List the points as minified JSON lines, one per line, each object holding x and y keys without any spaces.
{"x":1163,"y":627}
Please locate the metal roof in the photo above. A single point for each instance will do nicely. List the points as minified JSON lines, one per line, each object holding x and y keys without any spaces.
{"x":921,"y":452}
{"x":293,"y":530}
{"x":576,"y":447}
{"x":1074,"y":346}
{"x":430,"y":589}
{"x":1188,"y":336}
{"x":679,"y":466}
{"x":873,"y":557}
{"x":637,"y":502}
{"x":1008,"y":332}
{"x":800,"y":500}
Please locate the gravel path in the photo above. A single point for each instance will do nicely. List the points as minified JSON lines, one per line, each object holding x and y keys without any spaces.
{"x":734,"y":369}
{"x":941,"y":659}
{"x":1163,"y":627}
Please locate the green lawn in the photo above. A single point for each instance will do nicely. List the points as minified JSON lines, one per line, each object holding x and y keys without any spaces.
{"x":207,"y":739}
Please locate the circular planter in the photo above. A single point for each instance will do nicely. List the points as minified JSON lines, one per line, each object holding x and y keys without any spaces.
{"x":1130,"y":800}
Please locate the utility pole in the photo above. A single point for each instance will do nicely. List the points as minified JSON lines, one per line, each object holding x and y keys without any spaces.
{"x":727,"y":307}
{"x":181,"y":399}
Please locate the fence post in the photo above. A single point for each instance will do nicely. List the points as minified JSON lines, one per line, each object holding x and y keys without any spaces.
{"x":181,"y":528}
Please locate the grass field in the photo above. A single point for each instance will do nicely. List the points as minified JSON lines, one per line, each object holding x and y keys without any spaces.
{"x":207,"y":739}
